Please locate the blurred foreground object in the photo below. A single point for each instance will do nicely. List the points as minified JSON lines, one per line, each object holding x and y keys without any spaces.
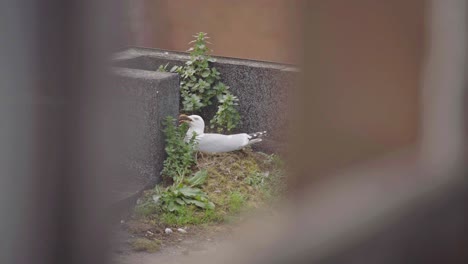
{"x":381,"y":181}
{"x":58,"y":137}
{"x":58,"y":133}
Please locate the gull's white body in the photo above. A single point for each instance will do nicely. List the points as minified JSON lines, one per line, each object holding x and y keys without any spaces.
{"x":210,"y":142}
{"x":221,"y":143}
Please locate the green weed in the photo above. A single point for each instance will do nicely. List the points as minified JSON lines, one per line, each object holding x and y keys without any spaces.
{"x":180,"y":154}
{"x":200,"y":86}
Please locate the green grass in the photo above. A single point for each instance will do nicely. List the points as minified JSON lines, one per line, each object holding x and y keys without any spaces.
{"x":190,"y":215}
{"x":236,"y":202}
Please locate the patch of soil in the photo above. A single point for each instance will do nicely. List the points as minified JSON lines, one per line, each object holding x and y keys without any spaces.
{"x":197,"y":240}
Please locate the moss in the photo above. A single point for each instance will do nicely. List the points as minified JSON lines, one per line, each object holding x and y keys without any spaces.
{"x":144,"y":244}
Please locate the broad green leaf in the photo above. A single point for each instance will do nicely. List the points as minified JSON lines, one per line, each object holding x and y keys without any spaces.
{"x":210,"y":205}
{"x":198,"y":179}
{"x":172,"y":206}
{"x":205,"y":74}
{"x":190,"y":192}
{"x":198,"y":203}
{"x":180,"y":201}
{"x":186,"y":200}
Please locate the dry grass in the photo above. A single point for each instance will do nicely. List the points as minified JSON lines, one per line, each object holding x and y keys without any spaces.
{"x":237,"y":182}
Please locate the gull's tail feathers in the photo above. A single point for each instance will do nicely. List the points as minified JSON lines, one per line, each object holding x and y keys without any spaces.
{"x":256,"y":137}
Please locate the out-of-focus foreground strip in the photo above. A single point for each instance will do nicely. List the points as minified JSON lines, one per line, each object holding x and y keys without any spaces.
{"x":58,"y":138}
{"x":409,"y":207}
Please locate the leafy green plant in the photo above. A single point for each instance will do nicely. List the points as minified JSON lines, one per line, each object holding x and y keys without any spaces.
{"x":174,"y":198}
{"x":200,"y":86}
{"x":180,"y":154}
{"x":227,"y":115}
{"x":185,"y":190}
{"x":183,"y":193}
{"x":198,"y":179}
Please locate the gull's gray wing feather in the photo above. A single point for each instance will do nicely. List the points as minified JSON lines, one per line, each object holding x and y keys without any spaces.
{"x":222,"y":143}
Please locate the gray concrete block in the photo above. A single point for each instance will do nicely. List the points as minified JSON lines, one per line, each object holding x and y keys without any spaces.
{"x":263,"y":88}
{"x":148,"y":97}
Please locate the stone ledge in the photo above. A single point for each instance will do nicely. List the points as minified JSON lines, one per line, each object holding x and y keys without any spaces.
{"x":262,"y":87}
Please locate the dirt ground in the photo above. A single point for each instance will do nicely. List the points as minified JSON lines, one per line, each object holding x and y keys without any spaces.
{"x":175,"y":247}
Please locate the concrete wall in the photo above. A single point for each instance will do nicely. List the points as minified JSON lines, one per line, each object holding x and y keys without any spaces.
{"x":148,"y":97}
{"x":262,"y":88}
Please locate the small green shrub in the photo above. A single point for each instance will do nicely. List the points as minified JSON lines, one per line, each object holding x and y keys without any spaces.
{"x":184,"y":191}
{"x":180,"y":154}
{"x":178,"y":196}
{"x":227,"y":115}
{"x":200,"y":86}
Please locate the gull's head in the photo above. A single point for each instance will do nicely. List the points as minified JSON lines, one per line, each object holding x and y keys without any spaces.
{"x":195,"y":121}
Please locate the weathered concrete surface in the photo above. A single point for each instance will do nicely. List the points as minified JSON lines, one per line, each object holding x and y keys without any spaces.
{"x":148,"y":97}
{"x":262,"y":88}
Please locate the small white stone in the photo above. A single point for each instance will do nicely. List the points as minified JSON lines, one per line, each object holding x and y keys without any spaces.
{"x":168,"y":230}
{"x":122,"y":221}
{"x":182,"y":230}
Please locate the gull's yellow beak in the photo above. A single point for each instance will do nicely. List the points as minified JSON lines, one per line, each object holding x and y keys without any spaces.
{"x":184,"y":119}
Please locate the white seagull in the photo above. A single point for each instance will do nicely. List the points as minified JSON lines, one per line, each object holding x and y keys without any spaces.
{"x":213,"y":143}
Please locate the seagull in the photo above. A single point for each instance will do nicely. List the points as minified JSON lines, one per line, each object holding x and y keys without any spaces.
{"x":215,"y":143}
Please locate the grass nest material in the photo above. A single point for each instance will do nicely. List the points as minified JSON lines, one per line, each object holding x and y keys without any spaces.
{"x":237,"y":182}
